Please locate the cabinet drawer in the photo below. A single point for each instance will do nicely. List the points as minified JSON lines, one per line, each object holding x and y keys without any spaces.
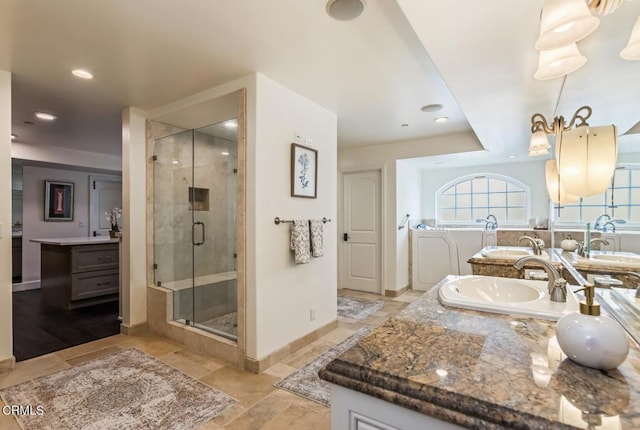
{"x":100,"y":257}
{"x":92,"y":284}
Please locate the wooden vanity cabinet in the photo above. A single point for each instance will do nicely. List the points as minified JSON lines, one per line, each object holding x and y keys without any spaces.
{"x":75,"y":276}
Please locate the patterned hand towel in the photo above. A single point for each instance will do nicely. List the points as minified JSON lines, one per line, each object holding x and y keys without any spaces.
{"x":317,"y":247}
{"x":300,"y":241}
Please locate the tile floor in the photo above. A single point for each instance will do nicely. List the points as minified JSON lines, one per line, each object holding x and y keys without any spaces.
{"x":261,"y":405}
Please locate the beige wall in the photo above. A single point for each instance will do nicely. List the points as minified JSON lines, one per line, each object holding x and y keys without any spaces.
{"x":6,"y":336}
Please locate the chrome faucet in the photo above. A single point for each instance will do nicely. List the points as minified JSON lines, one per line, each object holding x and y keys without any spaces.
{"x":581,"y":250}
{"x":599,"y":223}
{"x":490,"y":223}
{"x":556,"y":285}
{"x":612,"y":223}
{"x":537,"y":244}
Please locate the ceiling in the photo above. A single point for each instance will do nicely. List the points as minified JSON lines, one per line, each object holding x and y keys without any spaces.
{"x":375,"y":72}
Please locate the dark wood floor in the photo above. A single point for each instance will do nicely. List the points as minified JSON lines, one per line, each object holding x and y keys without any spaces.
{"x":39,"y":329}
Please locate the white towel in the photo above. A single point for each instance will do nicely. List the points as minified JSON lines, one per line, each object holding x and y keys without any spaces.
{"x":300,"y":241}
{"x":317,"y":247}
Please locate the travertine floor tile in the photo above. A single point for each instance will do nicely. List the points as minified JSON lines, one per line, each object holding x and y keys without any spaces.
{"x":94,"y":355}
{"x":86,"y":348}
{"x":7,"y":422}
{"x":152,"y":345}
{"x":338,"y":335}
{"x":33,"y":368}
{"x":296,"y":417}
{"x":246,"y":387}
{"x":210,"y":425}
{"x":308,"y":353}
{"x":257,"y":416}
{"x":185,"y":364}
{"x":280,"y":370}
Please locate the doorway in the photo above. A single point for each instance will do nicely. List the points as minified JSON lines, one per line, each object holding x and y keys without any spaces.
{"x":362,"y":231}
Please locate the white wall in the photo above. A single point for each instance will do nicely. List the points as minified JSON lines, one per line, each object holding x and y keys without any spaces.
{"x":34,"y":225}
{"x":66,"y":156}
{"x":6,"y":336}
{"x":285,"y":292}
{"x":408,"y":201}
{"x":384,"y":157}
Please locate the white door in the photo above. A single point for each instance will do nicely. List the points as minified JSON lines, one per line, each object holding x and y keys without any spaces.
{"x":105,"y":193}
{"x":362,"y":231}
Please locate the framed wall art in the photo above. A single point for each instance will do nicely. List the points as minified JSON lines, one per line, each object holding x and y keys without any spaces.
{"x":58,"y":201}
{"x":304,"y":171}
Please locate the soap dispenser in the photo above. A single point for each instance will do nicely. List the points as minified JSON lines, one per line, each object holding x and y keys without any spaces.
{"x":591,"y":339}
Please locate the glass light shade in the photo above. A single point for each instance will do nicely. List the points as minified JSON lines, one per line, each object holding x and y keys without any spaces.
{"x":556,"y":191}
{"x":539,"y":141}
{"x":632,"y":50}
{"x":586,"y":159}
{"x":559,"y":62}
{"x":538,"y":152}
{"x":564,"y":22}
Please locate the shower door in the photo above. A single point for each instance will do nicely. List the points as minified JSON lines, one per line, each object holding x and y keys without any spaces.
{"x":194,"y":226}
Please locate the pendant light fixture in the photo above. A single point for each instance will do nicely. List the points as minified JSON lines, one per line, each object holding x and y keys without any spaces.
{"x":559,"y":62}
{"x":586,"y":159}
{"x":556,"y":191}
{"x":632,"y":50}
{"x":564,"y":22}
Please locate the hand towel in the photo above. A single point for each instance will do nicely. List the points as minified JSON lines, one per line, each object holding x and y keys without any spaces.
{"x":300,"y":241}
{"x":317,"y":247}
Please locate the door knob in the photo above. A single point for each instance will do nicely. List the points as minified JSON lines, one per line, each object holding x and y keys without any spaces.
{"x":345,"y":237}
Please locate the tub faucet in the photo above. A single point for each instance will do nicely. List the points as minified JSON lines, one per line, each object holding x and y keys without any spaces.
{"x":599,"y":223}
{"x":556,"y":285}
{"x":537,"y":244}
{"x":612,"y":223}
{"x":492,"y":222}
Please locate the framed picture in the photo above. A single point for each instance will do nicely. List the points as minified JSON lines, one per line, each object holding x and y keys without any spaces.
{"x":58,"y":201}
{"x":304,"y":171}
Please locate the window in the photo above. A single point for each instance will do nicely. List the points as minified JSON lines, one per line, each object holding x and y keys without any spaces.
{"x":620,"y":201}
{"x":469,"y":198}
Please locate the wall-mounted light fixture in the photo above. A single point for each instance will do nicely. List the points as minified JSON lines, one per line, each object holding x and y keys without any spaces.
{"x":585,"y":156}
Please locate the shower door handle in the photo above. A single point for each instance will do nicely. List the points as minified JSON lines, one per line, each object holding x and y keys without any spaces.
{"x":193,"y":233}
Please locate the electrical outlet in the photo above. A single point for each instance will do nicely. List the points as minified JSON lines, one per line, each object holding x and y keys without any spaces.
{"x":312,"y":314}
{"x":297,"y":138}
{"x":80,"y":223}
{"x":308,"y":141}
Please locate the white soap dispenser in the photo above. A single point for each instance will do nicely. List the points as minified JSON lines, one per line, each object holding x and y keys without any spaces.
{"x":591,"y":339}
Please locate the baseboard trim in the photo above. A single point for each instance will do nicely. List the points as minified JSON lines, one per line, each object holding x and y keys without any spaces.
{"x":7,"y":364}
{"x":258,"y":366}
{"x":25,"y":286}
{"x":135,"y":329}
{"x":396,"y":293}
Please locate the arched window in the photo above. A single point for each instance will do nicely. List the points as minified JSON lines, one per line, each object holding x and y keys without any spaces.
{"x":469,"y":198}
{"x":620,"y":201}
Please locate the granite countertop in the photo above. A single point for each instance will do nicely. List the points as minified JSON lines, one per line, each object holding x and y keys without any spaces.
{"x":68,"y":241}
{"x":478,"y":258}
{"x":485,"y":371}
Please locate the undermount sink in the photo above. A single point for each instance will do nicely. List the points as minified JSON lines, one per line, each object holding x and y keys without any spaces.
{"x":614,"y":258}
{"x":505,"y":296}
{"x":510,"y":252}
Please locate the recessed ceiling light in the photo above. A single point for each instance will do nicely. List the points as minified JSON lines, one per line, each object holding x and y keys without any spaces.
{"x":345,"y":10}
{"x":435,"y":107}
{"x":441,"y":119}
{"x":175,"y":162}
{"x":439,"y":163}
{"x":224,"y":153}
{"x":13,"y":136}
{"x":512,"y":156}
{"x":232,"y":123}
{"x":81,"y":73}
{"x":45,"y":116}
{"x":29,"y":122}
{"x":404,"y":125}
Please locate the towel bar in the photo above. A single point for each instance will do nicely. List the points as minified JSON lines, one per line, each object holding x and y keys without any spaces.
{"x":278,"y":221}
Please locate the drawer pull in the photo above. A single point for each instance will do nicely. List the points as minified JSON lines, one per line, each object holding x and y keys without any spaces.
{"x":102,"y":284}
{"x":104,"y":258}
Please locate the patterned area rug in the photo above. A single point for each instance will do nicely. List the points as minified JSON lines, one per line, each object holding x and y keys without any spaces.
{"x":356,"y":308}
{"x":305,"y":381}
{"x":126,"y":390}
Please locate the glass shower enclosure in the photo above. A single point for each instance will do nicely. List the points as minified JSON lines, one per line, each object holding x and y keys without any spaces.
{"x":194,"y":233}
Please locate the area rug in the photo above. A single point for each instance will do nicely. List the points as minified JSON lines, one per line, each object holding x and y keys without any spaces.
{"x":125,"y":390}
{"x":305,"y":381}
{"x":356,"y":308}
